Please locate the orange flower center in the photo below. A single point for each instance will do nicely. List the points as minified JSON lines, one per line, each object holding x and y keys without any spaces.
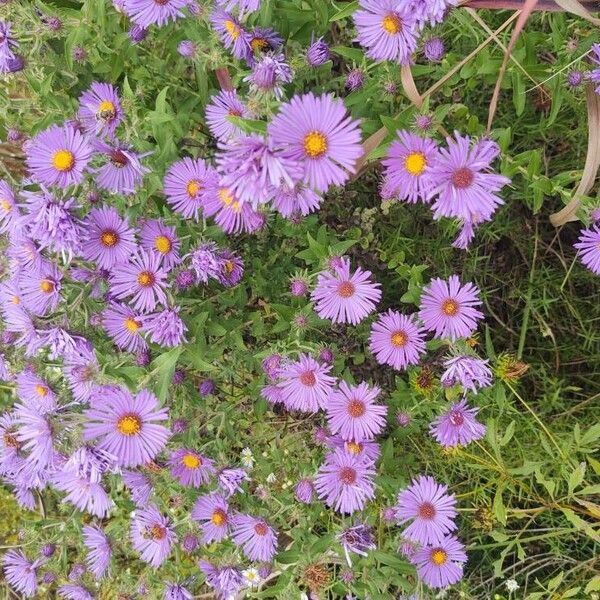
{"x":131,"y":325}
{"x":10,"y":440}
{"x":415,"y":163}
{"x":41,"y":390}
{"x":6,"y":205}
{"x":232,"y":29}
{"x":129,"y":425}
{"x":308,"y":378}
{"x":356,"y":408}
{"x":219,"y":517}
{"x":354,"y":448}
{"x":47,"y":286}
{"x":106,"y":111}
{"x":426,"y":510}
{"x":158,"y":532}
{"x":347,"y":475}
{"x":450,"y":307}
{"x":109,"y":238}
{"x":146,"y":279}
{"x":399,"y":339}
{"x":462,"y":178}
{"x":259,"y":44}
{"x":346,"y":289}
{"x":439,"y":557}
{"x":315,"y":144}
{"x":192,"y":188}
{"x":261,"y":529}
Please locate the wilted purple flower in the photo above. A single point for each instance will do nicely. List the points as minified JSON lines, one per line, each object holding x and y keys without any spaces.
{"x":343,"y":297}
{"x":212,"y":511}
{"x":152,"y":535}
{"x":244,"y":6}
{"x":403,"y":418}
{"x":316,"y":131}
{"x":358,"y":539}
{"x":72,"y":591}
{"x":434,"y":49}
{"x":7,"y":45}
{"x":100,"y":110}
{"x":191,"y":468}
{"x":386,"y":28}
{"x":431,"y":509}
{"x":431,"y":11}
{"x":575,"y":79}
{"x":230,"y":480}
{"x":207,"y":387}
{"x":99,"y":550}
{"x":149,"y":12}
{"x":80,"y":369}
{"x":269,"y":74}
{"x":174,"y":591}
{"x":231,"y":268}
{"x":140,"y":487}
{"x":189,"y":543}
{"x":397,"y":340}
{"x":127,"y":426}
{"x":49,"y":577}
{"x":165,"y":327}
{"x":257,"y":538}
{"x":588,"y":245}
{"x":141,"y":279}
{"x":77,"y":572}
{"x":318,"y":52}
{"x":458,"y":426}
{"x":185,"y":279}
{"x":290,"y":202}
{"x":354,"y":80}
{"x":179,"y":426}
{"x":79,"y":54}
{"x":58,"y":156}
{"x":232,"y":34}
{"x":20,"y":572}
{"x":225,"y":581}
{"x":594,"y":75}
{"x":304,"y":491}
{"x":48,"y":550}
{"x":468,"y":371}
{"x":137,"y":34}
{"x":178,"y":376}
{"x":221,"y":106}
{"x":441,"y":565}
{"x":123,"y":172}
{"x":448,"y":308}
{"x":187,"y":49}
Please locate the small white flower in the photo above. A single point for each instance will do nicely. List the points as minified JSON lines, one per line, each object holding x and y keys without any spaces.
{"x":248,"y":459}
{"x":511,"y":585}
{"x":252,"y":577}
{"x":441,"y":595}
{"x":271,"y":478}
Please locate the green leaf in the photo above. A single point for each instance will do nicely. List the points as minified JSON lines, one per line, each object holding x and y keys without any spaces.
{"x":498,"y":506}
{"x":576,"y":477}
{"x":593,"y":585}
{"x":350,"y":8}
{"x":248,"y":125}
{"x":164,"y":366}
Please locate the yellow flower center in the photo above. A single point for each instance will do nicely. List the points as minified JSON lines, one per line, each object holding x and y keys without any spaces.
{"x":229,"y":267}
{"x":131,"y":325}
{"x":47,"y":286}
{"x":106,"y":110}
{"x":41,"y":390}
{"x":450,"y":307}
{"x":415,"y":163}
{"x":399,"y":339}
{"x":146,"y":279}
{"x":192,"y":188}
{"x":129,"y":425}
{"x":219,"y":517}
{"x":191,"y":461}
{"x":315,"y":144}
{"x":158,"y":532}
{"x":439,"y":557}
{"x":353,"y":448}
{"x":232,"y":29}
{"x":163,"y":244}
{"x":225,"y":196}
{"x":6,"y":205}
{"x":391,"y":24}
{"x":63,"y":160}
{"x":109,"y":238}
{"x":16,"y":300}
{"x":259,"y":44}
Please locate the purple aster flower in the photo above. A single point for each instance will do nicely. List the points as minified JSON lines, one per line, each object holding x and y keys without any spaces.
{"x":98,"y":550}
{"x":263,"y":39}
{"x":256,"y":537}
{"x":142,"y":279}
{"x":189,"y":543}
{"x":124,"y":326}
{"x":205,"y":261}
{"x":140,"y":487}
{"x":431,"y":509}
{"x":72,"y":591}
{"x":434,"y":49}
{"x":80,"y":370}
{"x":304,"y":491}
{"x":441,"y":565}
{"x":207,"y":387}
{"x":588,"y":245}
{"x":223,"y":105}
{"x":86,"y":495}
{"x":9,"y":211}
{"x":190,"y":468}
{"x":271,"y":365}
{"x":7,"y":45}
{"x":299,"y":199}
{"x":305,"y":384}
{"x":358,"y":539}
{"x":100,"y":109}
{"x":367,"y":450}
{"x":231,"y":215}
{"x":345,"y":482}
{"x":123,"y":172}
{"x":230,"y":480}
{"x":269,"y":74}
{"x":40,"y":289}
{"x":175,"y":591}
{"x":160,"y":239}
{"x":343,"y":297}
{"x":212,"y":511}
{"x":165,"y":327}
{"x":149,"y":12}
{"x":318,"y":52}
{"x":225,"y":581}
{"x":185,"y":185}
{"x":187,"y":49}
{"x":352,"y":412}
{"x":397,"y":340}
{"x":231,"y":268}
{"x":108,"y":238}
{"x":33,"y":390}
{"x":458,"y":426}
{"x":152,"y":535}
{"x":127,"y":426}
{"x":386,"y":28}
{"x":233,"y":36}
{"x":137,"y":34}
{"x":317,"y":132}
{"x":468,"y":371}
{"x":252,"y":169}
{"x":19,"y":571}
{"x":594,"y":76}
{"x":51,"y":221}
{"x":16,"y":64}
{"x":58,"y":156}
{"x":431,"y":11}
{"x":355,"y":80}
{"x":448,"y":308}
{"x":408,"y":167}
{"x":465,"y":187}
{"x":575,"y":79}
{"x":185,"y":279}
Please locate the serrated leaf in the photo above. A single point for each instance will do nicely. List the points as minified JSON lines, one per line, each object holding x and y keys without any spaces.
{"x":576,"y":477}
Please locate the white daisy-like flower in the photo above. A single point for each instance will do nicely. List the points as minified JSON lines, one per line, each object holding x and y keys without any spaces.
{"x":511,"y":585}
{"x":251,"y":577}
{"x":248,"y":459}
